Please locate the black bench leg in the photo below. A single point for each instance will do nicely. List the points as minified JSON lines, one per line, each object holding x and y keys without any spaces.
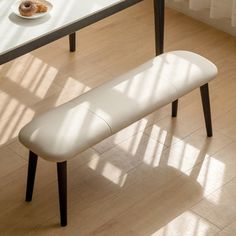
{"x":32,"y":164}
{"x":174,"y":108}
{"x":206,"y":108}
{"x":62,"y":187}
{"x":72,"y":40}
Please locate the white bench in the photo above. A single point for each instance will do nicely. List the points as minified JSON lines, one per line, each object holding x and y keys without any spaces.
{"x":63,"y":132}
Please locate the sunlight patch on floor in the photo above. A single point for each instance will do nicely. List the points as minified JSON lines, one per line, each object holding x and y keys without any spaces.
{"x":184,"y":156}
{"x":9,"y":128}
{"x":33,"y":75}
{"x":211,"y":177}
{"x":112,"y":173}
{"x":187,"y":224}
{"x":71,"y":89}
{"x":93,"y":163}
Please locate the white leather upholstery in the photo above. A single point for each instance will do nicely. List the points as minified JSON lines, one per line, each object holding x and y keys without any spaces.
{"x":150,"y":86}
{"x":65,"y":131}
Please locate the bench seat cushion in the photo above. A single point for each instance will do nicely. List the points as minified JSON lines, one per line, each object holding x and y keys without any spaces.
{"x":71,"y":128}
{"x":150,"y":86}
{"x":63,"y":132}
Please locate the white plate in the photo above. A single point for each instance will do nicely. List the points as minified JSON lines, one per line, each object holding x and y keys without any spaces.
{"x":15,"y":9}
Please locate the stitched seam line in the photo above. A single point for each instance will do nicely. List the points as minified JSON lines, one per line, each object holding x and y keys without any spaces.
{"x":99,"y":117}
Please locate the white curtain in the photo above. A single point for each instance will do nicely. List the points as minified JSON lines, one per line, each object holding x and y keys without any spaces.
{"x":217,"y":8}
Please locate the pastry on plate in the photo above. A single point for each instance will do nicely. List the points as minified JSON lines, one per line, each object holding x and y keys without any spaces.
{"x":30,"y":7}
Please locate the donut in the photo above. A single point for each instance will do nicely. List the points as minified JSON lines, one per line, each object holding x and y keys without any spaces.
{"x":41,"y":7}
{"x":27,"y":8}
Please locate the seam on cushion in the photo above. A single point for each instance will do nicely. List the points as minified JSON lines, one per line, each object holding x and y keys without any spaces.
{"x":98,"y":117}
{"x":176,"y":90}
{"x":84,"y":106}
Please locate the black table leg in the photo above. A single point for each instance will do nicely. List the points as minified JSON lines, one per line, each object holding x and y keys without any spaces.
{"x":72,"y":40}
{"x":159,"y":18}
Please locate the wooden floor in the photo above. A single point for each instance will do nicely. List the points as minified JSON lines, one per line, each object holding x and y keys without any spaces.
{"x":158,"y":177}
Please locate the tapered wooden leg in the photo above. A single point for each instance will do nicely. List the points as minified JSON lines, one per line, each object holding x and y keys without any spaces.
{"x":72,"y":40}
{"x":62,"y":187}
{"x":32,"y":164}
{"x":206,"y":108}
{"x":174,"y":108}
